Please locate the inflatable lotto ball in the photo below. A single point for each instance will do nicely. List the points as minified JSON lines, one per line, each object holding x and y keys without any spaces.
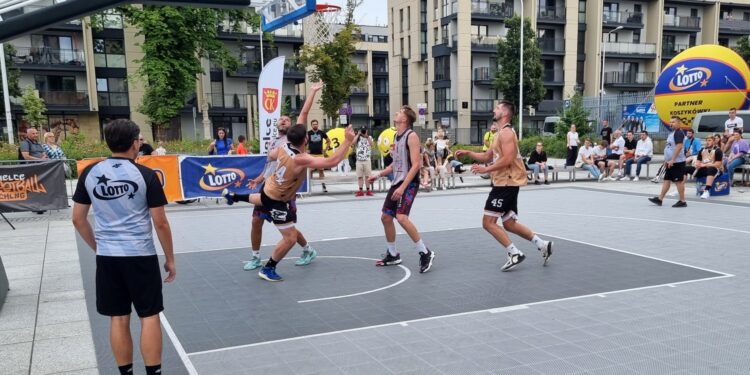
{"x":336,"y":135}
{"x":700,"y":79}
{"x":385,"y":140}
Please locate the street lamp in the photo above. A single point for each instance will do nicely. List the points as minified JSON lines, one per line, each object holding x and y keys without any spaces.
{"x":604,"y":53}
{"x":520,"y":83}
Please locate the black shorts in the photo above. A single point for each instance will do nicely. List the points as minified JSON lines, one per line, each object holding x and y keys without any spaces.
{"x":689,"y":170}
{"x":613,"y":157}
{"x":403,"y":205}
{"x":278,"y":212}
{"x":125,"y":281}
{"x":502,"y":202}
{"x":707,"y":171}
{"x":675,"y":173}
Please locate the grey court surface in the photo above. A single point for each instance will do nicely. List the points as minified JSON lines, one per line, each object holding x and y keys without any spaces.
{"x":631,"y":289}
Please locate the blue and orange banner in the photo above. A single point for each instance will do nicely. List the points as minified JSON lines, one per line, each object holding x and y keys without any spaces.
{"x":167,"y":168}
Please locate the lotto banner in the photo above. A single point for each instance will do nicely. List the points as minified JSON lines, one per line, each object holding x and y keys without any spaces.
{"x":33,"y":187}
{"x":167,"y":168}
{"x":207,"y":176}
{"x":270,"y":83}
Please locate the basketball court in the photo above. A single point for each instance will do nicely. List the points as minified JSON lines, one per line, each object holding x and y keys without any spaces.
{"x":630,"y":286}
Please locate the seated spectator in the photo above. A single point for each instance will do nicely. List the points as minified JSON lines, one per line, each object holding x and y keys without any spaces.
{"x":586,"y":159}
{"x":692,"y":146}
{"x":603,"y":162}
{"x":644,"y":151}
{"x":538,"y":162}
{"x":617,"y":150}
{"x":737,"y":153}
{"x":708,"y":165}
{"x":628,"y":154}
{"x":449,"y":167}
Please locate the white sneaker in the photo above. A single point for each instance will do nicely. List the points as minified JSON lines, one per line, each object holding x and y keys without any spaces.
{"x":705,"y":194}
{"x":610,"y":178}
{"x":601,"y":177}
{"x":635,"y":179}
{"x":624,"y":178}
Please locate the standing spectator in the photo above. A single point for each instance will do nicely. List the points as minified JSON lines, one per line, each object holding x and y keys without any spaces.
{"x":674,"y":161}
{"x":222,"y":145}
{"x":737,"y":154}
{"x":606,"y":131}
{"x":733,"y":122}
{"x":692,"y":146}
{"x":442,"y":146}
{"x":30,"y":148}
{"x":489,"y":136}
{"x":572,"y":143}
{"x":617,"y":149}
{"x":429,"y":164}
{"x":586,"y":159}
{"x":315,"y":138}
{"x":537,"y":162}
{"x":55,"y":152}
{"x":644,"y":151}
{"x":606,"y":166}
{"x":363,"y":144}
{"x":127,"y":267}
{"x":160,"y":149}
{"x":628,"y":154}
{"x":241,"y":150}
{"x":708,"y":165}
{"x":145,"y":148}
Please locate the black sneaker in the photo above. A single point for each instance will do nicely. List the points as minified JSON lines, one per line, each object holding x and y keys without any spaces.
{"x":546,"y":182}
{"x":425,"y":261}
{"x":547,"y":252}
{"x":513,"y":261}
{"x":389,"y":260}
{"x":537,"y":182}
{"x":680,"y":204}
{"x":228,"y":196}
{"x":655,"y":200}
{"x":324,"y":188}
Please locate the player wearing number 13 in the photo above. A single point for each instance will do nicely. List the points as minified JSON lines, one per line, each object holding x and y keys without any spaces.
{"x":508,"y":174}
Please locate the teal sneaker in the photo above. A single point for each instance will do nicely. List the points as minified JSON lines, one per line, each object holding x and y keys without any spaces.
{"x":306,"y":257}
{"x":252,"y":264}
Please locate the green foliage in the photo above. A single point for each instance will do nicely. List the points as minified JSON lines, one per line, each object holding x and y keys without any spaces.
{"x":332,"y":63}
{"x":175,"y":39}
{"x":13,"y":76}
{"x":743,"y":48}
{"x":508,"y":60}
{"x":575,"y":114}
{"x":553,"y":146}
{"x":34,"y":108}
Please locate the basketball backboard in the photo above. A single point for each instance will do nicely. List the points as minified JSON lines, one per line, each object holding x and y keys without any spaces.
{"x":278,"y":13}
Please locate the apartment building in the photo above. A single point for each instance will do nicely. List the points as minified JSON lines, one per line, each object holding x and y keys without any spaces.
{"x":444,"y":51}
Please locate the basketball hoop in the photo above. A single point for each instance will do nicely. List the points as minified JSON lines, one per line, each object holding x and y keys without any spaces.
{"x":319,"y":25}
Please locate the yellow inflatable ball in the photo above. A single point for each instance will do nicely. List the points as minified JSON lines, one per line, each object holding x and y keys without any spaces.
{"x":385,"y":140}
{"x":703,"y":78}
{"x":337,"y":135}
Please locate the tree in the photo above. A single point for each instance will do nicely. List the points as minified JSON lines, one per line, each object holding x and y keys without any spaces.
{"x":13,"y":76}
{"x":34,"y":108}
{"x":175,"y":39}
{"x":743,"y":48}
{"x":574,"y":114}
{"x":332,"y":63}
{"x":508,"y":53}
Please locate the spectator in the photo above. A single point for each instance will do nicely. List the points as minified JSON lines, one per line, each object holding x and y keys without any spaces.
{"x":644,"y":151}
{"x":628,"y":154}
{"x":606,"y":131}
{"x":429,"y":163}
{"x":732,"y":123}
{"x":55,"y":152}
{"x":572,"y":142}
{"x":586,"y":159}
{"x":692,"y":146}
{"x":606,"y":166}
{"x":221,"y":145}
{"x":145,"y":148}
{"x":127,"y":267}
{"x":241,"y":150}
{"x":674,"y":162}
{"x":442,"y":146}
{"x":538,"y":162}
{"x":160,"y":149}
{"x":363,"y":144}
{"x":707,"y":165}
{"x":30,"y":148}
{"x":737,"y":153}
{"x":315,"y":138}
{"x":489,"y":136}
{"x":617,"y":150}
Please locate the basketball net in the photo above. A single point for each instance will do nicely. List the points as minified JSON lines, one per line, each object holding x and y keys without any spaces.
{"x":319,"y":25}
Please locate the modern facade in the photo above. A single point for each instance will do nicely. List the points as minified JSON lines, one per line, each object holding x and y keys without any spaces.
{"x":444,"y":51}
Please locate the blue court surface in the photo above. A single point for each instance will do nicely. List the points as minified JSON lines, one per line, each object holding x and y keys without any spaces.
{"x":631,"y":288}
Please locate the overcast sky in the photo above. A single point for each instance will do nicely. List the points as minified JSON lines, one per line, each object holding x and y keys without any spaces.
{"x":372,"y":12}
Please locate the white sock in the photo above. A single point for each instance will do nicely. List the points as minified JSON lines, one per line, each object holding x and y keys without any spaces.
{"x":307,"y":247}
{"x":540,"y":243}
{"x":512,"y":249}
{"x":256,"y":253}
{"x":391,"y":248}
{"x":419,"y":245}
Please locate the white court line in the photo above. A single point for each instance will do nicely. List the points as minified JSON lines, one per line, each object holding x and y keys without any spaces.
{"x":723,"y":203}
{"x":177,"y":345}
{"x":406,"y":277}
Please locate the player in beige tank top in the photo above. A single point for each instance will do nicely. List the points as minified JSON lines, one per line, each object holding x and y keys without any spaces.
{"x":508,"y":175}
{"x":281,"y":187}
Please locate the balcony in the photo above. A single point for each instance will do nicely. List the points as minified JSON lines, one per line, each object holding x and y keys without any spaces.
{"x":734,"y":27}
{"x":482,"y":105}
{"x":72,"y":25}
{"x":629,"y":79}
{"x":625,"y":19}
{"x":65,"y":98}
{"x":228,"y":101}
{"x":484,"y":76}
{"x":551,"y":15}
{"x":360,"y":91}
{"x":447,"y":105}
{"x":550,"y":46}
{"x":552,"y":77}
{"x":289,"y":33}
{"x":360,"y":110}
{"x":293,"y":70}
{"x":630,"y":50}
{"x":491,"y":9}
{"x":43,"y":58}
{"x":484,"y":43}
{"x":362,"y":67}
{"x":681,"y":23}
{"x":669,"y":51}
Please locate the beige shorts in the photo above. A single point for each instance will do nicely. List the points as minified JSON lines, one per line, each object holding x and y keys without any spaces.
{"x":364,"y":168}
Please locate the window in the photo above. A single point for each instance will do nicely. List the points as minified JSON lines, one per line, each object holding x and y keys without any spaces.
{"x":442,"y":68}
{"x":724,"y":42}
{"x":582,"y":11}
{"x":436,"y":35}
{"x":401,"y":19}
{"x":670,"y":11}
{"x":637,"y":36}
{"x":54,"y":49}
{"x":611,"y":37}
{"x":111,"y":20}
{"x":479,"y":30}
{"x":381,"y":86}
{"x":437,"y":9}
{"x":446,"y":8}
{"x":112,"y":92}
{"x":444,"y":30}
{"x":55,"y":83}
{"x":408,"y":18}
{"x":217,"y":94}
{"x":694,"y":13}
{"x":637,"y":8}
{"x":581,"y":42}
{"x":109,"y":53}
{"x":408,"y":47}
{"x":443,"y":100}
{"x":746,"y":16}
{"x":426,"y":69}
{"x":691,"y":40}
{"x":669,"y":43}
{"x":402,"y":47}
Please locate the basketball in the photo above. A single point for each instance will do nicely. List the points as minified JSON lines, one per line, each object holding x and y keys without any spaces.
{"x":704,"y":78}
{"x":385,"y":140}
{"x":336,"y":135}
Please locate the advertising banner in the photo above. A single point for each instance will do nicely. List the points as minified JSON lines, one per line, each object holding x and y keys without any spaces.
{"x":167,"y":168}
{"x":33,"y":187}
{"x":270,"y":83}
{"x":640,"y":116}
{"x":207,"y":176}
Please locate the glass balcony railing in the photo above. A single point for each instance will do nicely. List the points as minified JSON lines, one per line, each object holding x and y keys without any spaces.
{"x":484,"y":42}
{"x":495,"y":8}
{"x":629,"y":78}
{"x":359,"y":90}
{"x":735,"y":25}
{"x":682,"y":21}
{"x":360,"y":109}
{"x":291,"y":66}
{"x":68,"y":98}
{"x":45,"y":56}
{"x":552,"y":75}
{"x":228,"y":101}
{"x":551,"y":44}
{"x":482,"y":105}
{"x":670,"y":49}
{"x":446,"y":105}
{"x":623,"y":48}
{"x":484,"y":73}
{"x":629,"y":18}
{"x":362,"y":67}
{"x":552,"y":13}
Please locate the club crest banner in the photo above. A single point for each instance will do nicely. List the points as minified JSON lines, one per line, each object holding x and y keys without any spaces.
{"x":270,"y":85}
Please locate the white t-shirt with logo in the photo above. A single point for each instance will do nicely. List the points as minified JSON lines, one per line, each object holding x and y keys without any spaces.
{"x":730,"y":124}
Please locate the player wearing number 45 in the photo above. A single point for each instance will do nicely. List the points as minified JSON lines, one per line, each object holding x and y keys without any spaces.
{"x":508,"y":174}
